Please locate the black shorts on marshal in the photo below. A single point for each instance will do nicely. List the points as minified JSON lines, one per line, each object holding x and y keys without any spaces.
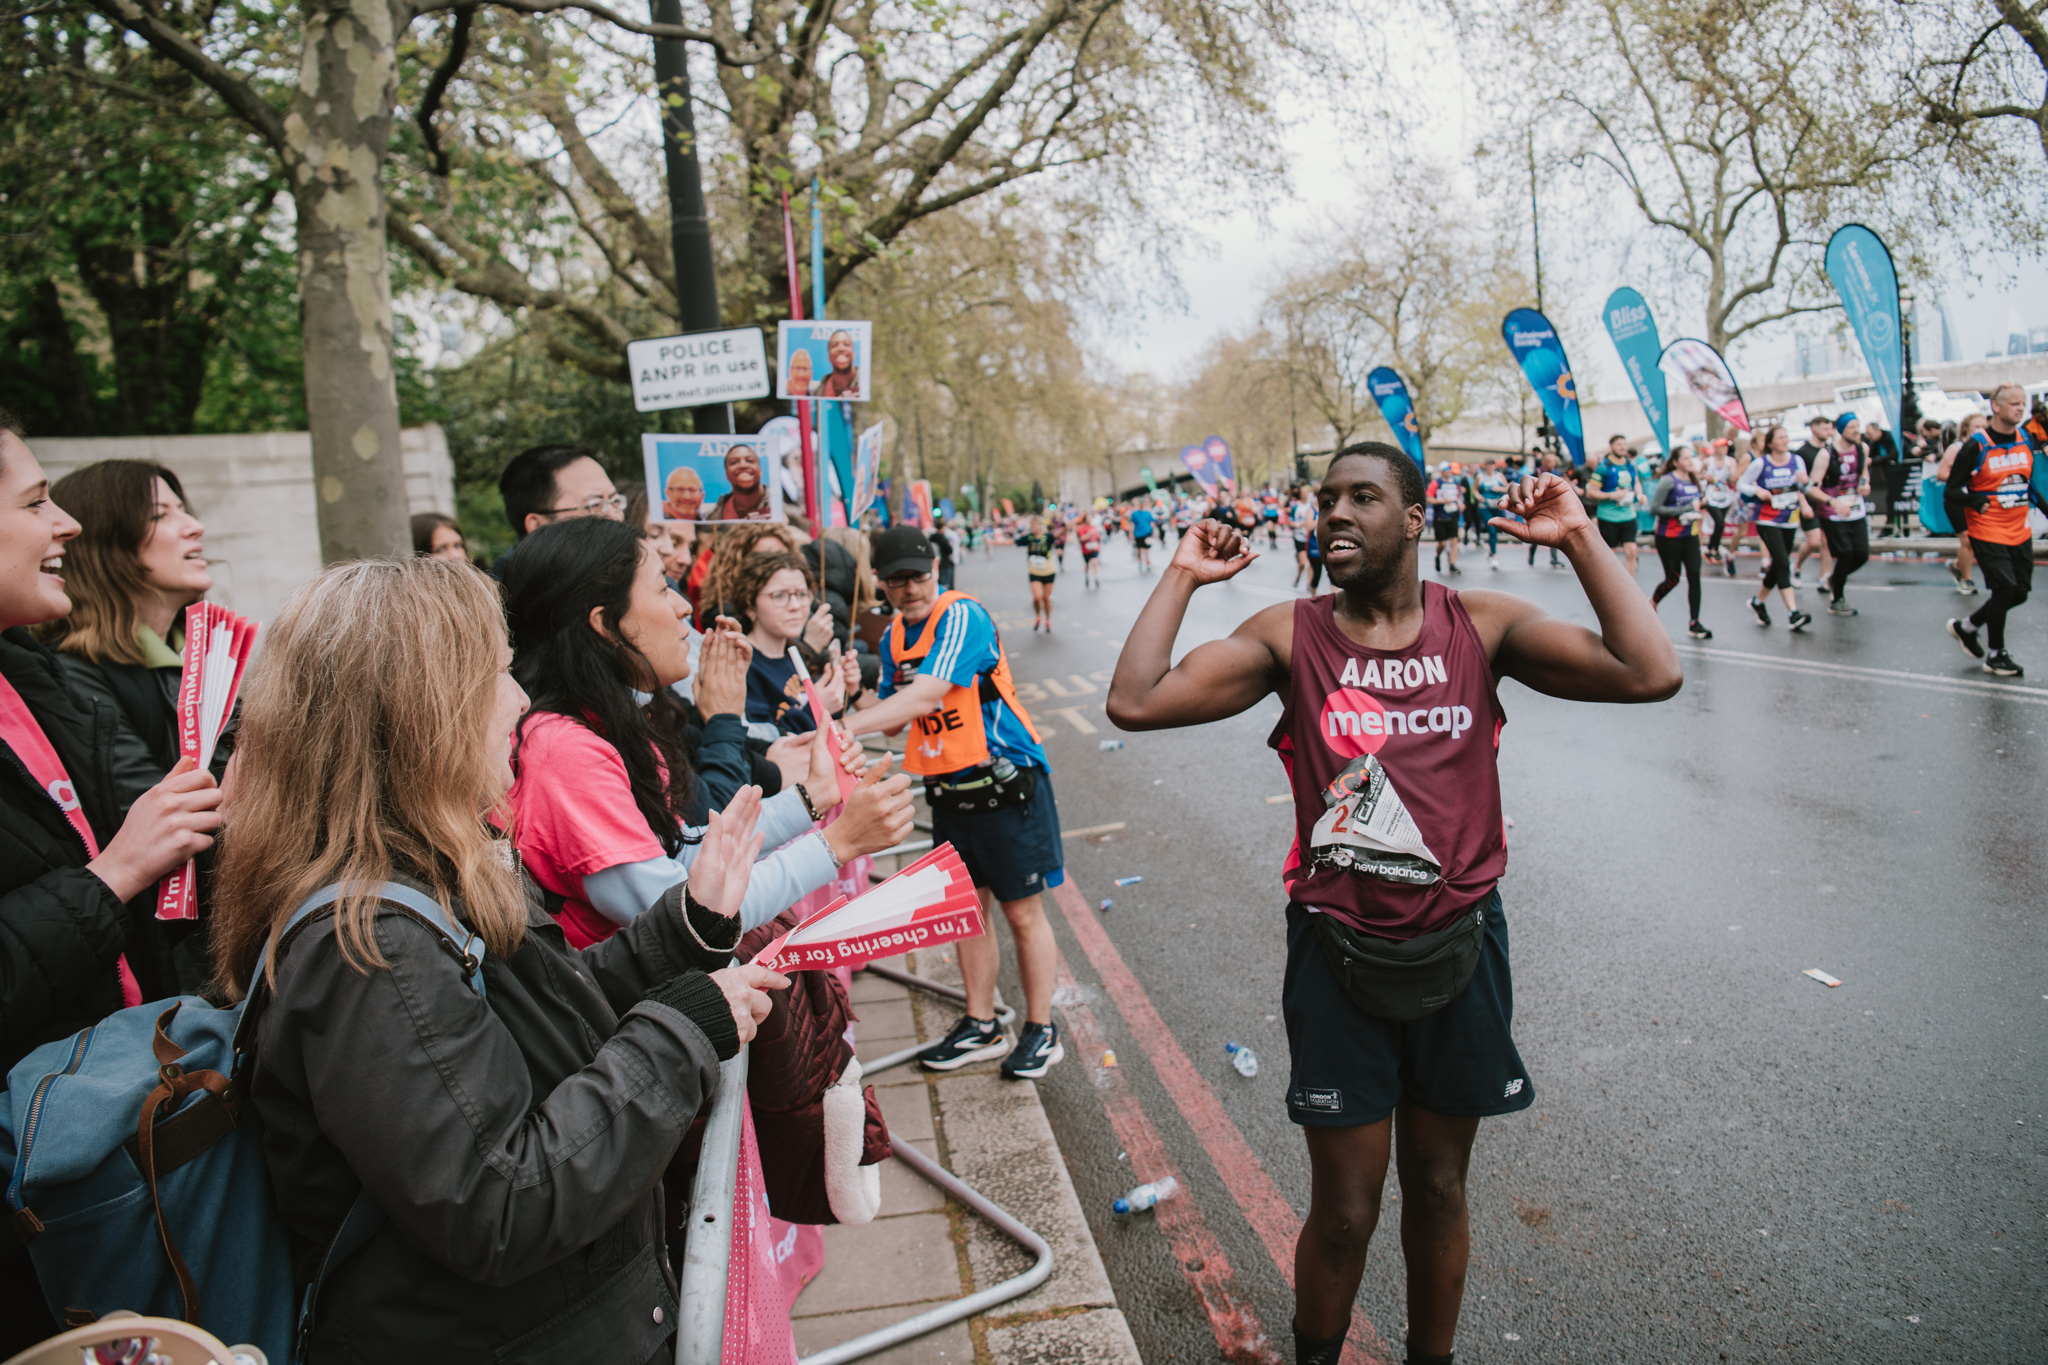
{"x":1349,"y":1069}
{"x":1618,"y":533}
{"x":1014,"y":853}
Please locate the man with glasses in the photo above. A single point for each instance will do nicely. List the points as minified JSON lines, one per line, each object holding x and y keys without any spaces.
{"x":554,"y":483}
{"x":945,"y":674}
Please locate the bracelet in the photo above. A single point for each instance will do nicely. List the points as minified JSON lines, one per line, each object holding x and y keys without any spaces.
{"x":692,"y":907}
{"x":810,"y":807}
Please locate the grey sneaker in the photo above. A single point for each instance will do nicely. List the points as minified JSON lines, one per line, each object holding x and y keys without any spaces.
{"x":1840,"y":608}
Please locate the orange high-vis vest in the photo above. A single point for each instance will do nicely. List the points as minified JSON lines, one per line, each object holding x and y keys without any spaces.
{"x":954,"y":737}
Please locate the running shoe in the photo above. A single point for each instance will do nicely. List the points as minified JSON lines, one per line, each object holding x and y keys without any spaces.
{"x":1838,"y":607}
{"x":1763,"y":613}
{"x":1730,"y":562}
{"x":1038,"y":1047}
{"x":1964,"y":584}
{"x":1799,"y":620}
{"x":2002,"y":665}
{"x":971,"y":1040}
{"x":1966,"y":636}
{"x":1699,"y":632}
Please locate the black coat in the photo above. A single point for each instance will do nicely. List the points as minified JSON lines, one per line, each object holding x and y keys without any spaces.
{"x":515,"y":1141}
{"x":61,"y":929}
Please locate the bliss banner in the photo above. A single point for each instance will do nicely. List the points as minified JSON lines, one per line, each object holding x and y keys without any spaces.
{"x":1702,"y":370}
{"x":1392,"y":395}
{"x":1634,"y":333}
{"x":1861,"y":270}
{"x":1210,"y":463}
{"x":1535,"y":346}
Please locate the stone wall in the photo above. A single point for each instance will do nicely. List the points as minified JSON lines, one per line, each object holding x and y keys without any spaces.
{"x":255,"y":494}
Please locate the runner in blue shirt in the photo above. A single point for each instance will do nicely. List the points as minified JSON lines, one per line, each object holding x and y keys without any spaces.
{"x":1141,"y":536}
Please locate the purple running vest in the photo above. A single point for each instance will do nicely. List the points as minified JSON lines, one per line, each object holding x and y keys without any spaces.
{"x":1391,"y":756}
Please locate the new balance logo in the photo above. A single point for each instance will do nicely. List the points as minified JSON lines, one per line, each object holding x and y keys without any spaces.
{"x":1514,"y":1088}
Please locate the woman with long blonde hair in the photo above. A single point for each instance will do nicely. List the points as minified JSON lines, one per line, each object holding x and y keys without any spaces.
{"x":512,"y":1126}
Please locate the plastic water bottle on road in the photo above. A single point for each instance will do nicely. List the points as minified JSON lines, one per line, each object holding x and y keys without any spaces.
{"x":1146,"y":1195}
{"x":1244,"y":1059}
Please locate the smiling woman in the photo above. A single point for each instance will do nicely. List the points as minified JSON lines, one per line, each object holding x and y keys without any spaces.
{"x":78,"y":938}
{"x":138,"y":562}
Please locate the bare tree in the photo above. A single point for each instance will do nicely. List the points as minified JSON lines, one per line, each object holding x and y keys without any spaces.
{"x":2000,"y":74}
{"x":1416,"y":281}
{"x":1730,"y":129}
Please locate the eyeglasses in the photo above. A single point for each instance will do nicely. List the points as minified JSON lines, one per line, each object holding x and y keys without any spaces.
{"x":592,"y":507}
{"x":790,"y":597}
{"x":905,"y":580}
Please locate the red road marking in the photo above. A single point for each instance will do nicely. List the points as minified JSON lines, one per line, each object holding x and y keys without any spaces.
{"x":1264,"y":1207}
{"x":1239,"y":1334}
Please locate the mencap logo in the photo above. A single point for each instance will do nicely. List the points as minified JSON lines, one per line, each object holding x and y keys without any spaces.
{"x":62,"y":793}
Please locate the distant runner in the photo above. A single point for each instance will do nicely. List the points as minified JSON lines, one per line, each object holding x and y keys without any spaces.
{"x":1390,"y":734}
{"x":1090,"y":537}
{"x":1775,"y":478}
{"x":1675,"y":502}
{"x":1614,"y":491}
{"x":1987,"y":494}
{"x":1446,"y":505}
{"x":1040,"y":569}
{"x":1141,"y":536}
{"x":1838,"y":492}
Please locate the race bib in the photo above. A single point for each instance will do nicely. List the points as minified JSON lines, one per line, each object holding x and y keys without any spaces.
{"x":1719,"y":497}
{"x":1789,"y":498}
{"x":1039,"y":563}
{"x":2011,"y":493}
{"x":1367,"y":828}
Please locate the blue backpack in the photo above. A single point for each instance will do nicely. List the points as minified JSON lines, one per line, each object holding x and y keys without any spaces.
{"x":138,"y":1176}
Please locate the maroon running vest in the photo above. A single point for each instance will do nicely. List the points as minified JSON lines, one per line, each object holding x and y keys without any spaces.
{"x":1392,"y":759}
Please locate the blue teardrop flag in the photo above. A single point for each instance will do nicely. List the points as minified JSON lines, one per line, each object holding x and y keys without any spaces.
{"x":1634,"y":333}
{"x":1535,"y":346}
{"x":1392,"y":396}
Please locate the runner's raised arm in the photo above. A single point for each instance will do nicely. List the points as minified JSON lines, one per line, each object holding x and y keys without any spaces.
{"x":1629,"y":660}
{"x":1218,"y":678}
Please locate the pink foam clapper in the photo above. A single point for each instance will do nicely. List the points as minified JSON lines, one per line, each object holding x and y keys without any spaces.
{"x":932,"y":901}
{"x":217,"y":648}
{"x":823,"y":718}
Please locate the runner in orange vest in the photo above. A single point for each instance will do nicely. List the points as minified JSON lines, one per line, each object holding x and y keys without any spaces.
{"x":945,"y":674}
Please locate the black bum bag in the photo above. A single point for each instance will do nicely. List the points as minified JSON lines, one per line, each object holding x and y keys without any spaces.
{"x":1400,"y":982}
{"x":984,"y":794}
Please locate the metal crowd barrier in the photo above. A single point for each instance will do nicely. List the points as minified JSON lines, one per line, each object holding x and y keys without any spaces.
{"x":707,"y":1248}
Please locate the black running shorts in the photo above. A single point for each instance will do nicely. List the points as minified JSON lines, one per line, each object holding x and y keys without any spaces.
{"x":1446,"y":529}
{"x":1618,"y":533}
{"x":1349,"y":1069}
{"x":1014,"y":852}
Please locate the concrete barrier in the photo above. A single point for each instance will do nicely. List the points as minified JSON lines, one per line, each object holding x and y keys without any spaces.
{"x":255,"y":494}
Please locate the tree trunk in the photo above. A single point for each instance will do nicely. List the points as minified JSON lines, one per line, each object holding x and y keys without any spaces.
{"x":339,"y":128}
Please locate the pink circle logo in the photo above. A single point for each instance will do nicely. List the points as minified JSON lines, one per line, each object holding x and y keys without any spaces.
{"x":1353,"y":722}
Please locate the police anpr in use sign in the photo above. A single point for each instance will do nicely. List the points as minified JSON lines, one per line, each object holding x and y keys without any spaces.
{"x":697,"y":368}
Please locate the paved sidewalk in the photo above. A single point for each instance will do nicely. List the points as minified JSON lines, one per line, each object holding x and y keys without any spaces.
{"x":925,"y":1248}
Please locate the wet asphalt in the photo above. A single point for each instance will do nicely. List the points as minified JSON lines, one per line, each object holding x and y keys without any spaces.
{"x":1726,"y":1160}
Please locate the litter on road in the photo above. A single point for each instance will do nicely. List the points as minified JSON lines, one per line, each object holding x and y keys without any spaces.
{"x":1128,"y":881}
{"x":1107,"y":744}
{"x":1818,"y":975}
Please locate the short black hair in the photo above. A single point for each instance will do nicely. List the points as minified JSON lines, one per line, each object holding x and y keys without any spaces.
{"x":1407,"y":473}
{"x":528,"y":483}
{"x":11,"y":424}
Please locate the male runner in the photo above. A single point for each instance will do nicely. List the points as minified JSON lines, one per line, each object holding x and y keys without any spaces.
{"x":1615,"y":490}
{"x":1141,"y":536}
{"x":1987,"y":495}
{"x":945,"y":673}
{"x":1446,"y":503}
{"x":1820,"y":432}
{"x":1389,"y":734}
{"x":1839,"y":483}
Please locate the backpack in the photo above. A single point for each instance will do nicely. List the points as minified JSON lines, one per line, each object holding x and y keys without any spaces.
{"x":138,"y":1178}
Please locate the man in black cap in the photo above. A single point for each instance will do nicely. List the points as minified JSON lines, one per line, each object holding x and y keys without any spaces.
{"x":945,"y":674}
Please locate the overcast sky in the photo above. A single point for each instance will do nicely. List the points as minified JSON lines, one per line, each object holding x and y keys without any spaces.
{"x":1225,"y":271}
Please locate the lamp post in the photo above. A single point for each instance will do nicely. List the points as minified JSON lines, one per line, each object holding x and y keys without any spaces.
{"x":1909,"y":406}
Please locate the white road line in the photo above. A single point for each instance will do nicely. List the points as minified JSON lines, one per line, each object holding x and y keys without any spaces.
{"x":2032,"y":695}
